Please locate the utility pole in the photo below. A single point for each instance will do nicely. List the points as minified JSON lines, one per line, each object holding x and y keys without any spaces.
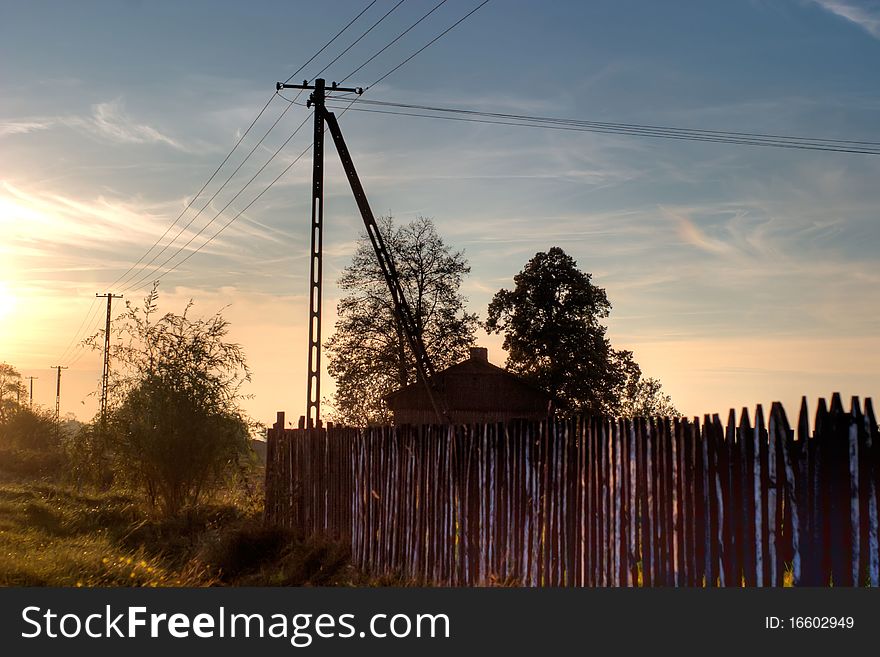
{"x":386,"y":262}
{"x":106,"y":375}
{"x":313,"y":389}
{"x":31,"y":400}
{"x":58,"y":393}
{"x":313,"y":393}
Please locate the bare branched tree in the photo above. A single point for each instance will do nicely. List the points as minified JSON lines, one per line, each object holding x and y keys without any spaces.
{"x":368,"y":353}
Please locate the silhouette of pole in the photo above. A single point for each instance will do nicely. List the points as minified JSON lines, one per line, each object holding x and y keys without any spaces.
{"x":313,"y":391}
{"x":58,"y":394}
{"x":31,"y":399}
{"x":106,"y":375}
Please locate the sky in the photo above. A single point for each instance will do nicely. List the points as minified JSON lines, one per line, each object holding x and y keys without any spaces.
{"x":738,"y":275}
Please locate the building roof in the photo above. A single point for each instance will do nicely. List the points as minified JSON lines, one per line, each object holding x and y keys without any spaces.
{"x":474,"y":385}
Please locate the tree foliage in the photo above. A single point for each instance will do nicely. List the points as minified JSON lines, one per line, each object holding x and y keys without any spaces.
{"x":11,"y":390}
{"x":368,"y":354}
{"x":175,"y":427}
{"x":554,"y":336}
{"x":644,"y":397}
{"x":28,"y":429}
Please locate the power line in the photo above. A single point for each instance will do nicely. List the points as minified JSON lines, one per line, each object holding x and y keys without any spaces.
{"x":142,"y":281}
{"x":395,"y":40}
{"x":355,"y":42}
{"x":609,"y":124}
{"x":344,"y":110}
{"x":237,"y":144}
{"x":800,"y":143}
{"x":214,"y":195}
{"x":254,"y":200}
{"x":240,"y":212}
{"x":338,"y":34}
{"x":139,"y":282}
{"x":207,"y":182}
{"x":64,"y":354}
{"x":94,"y":324}
{"x":125,"y":275}
{"x":431,"y":42}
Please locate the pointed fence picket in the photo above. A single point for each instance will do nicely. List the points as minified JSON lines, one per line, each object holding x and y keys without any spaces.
{"x":594,"y":501}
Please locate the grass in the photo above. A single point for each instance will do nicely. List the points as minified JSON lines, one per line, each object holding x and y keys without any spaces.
{"x":53,"y":535}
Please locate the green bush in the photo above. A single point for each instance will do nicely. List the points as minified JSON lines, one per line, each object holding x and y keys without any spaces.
{"x":174,"y":429}
{"x":30,"y":429}
{"x":31,"y":463}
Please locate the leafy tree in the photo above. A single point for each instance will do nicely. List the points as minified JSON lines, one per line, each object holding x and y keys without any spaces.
{"x":11,"y":389}
{"x":554,"y":337}
{"x":644,"y":397}
{"x":175,"y":427}
{"x":28,"y":429}
{"x":368,"y":354}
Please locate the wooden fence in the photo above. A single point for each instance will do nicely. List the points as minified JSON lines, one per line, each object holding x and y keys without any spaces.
{"x":594,"y":502}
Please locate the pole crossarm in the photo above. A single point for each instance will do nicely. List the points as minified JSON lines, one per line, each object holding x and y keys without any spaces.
{"x":305,"y":85}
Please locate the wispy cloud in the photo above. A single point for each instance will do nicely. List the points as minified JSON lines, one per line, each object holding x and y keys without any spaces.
{"x":52,"y":221}
{"x":691,"y":234}
{"x":864,"y":14}
{"x":111,"y":120}
{"x":108,"y":121}
{"x":22,"y":127}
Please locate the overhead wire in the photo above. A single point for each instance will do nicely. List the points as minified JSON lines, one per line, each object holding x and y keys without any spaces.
{"x":324,"y":47}
{"x":64,"y":353}
{"x":236,"y":216}
{"x":214,"y":195}
{"x":395,"y":40}
{"x":125,"y":275}
{"x":94,"y":323}
{"x":610,"y":124}
{"x":207,"y":182}
{"x":136,"y":284}
{"x":356,"y":41}
{"x":245,"y":208}
{"x":180,"y":249}
{"x":143,"y":281}
{"x":724,"y":137}
{"x":430,"y":43}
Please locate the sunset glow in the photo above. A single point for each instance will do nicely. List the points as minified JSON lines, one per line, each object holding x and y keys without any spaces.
{"x":737,"y":274}
{"x":7,"y":301}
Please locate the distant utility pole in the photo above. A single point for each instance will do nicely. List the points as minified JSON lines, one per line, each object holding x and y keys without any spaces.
{"x":58,"y":393}
{"x":104,"y":378}
{"x":31,"y":400}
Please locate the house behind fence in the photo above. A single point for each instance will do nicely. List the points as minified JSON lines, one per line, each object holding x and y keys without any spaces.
{"x":473,"y":390}
{"x":594,"y":501}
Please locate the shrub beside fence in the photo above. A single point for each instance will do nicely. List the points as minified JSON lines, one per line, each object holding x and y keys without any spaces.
{"x":592,"y":501}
